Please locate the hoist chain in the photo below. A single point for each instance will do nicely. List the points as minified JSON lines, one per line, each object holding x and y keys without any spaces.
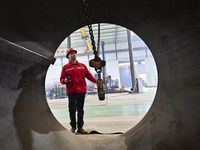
{"x":96,"y":63}
{"x":90,"y":30}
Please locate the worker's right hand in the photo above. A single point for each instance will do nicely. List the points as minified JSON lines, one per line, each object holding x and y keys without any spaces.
{"x":67,"y":80}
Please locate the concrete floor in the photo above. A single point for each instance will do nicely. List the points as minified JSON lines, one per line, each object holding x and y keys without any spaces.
{"x":108,"y":116}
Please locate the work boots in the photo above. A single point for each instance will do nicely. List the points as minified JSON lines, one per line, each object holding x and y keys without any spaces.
{"x":82,"y":131}
{"x":73,"y":130}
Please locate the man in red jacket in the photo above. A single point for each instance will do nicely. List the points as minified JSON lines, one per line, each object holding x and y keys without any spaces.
{"x":73,"y":75}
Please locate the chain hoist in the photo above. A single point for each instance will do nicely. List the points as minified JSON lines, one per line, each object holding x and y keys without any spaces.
{"x":96,"y":63}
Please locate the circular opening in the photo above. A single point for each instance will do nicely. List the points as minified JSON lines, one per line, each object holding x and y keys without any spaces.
{"x":126,"y":102}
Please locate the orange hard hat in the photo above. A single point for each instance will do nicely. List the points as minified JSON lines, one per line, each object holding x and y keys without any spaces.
{"x":70,"y":50}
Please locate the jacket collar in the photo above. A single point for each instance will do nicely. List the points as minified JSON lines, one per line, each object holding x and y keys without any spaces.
{"x":77,"y":63}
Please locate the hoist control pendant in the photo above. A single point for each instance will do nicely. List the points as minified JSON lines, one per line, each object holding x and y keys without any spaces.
{"x":101,"y":92}
{"x":98,"y":64}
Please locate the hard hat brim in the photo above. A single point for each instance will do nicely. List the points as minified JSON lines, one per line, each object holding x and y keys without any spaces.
{"x":70,"y":52}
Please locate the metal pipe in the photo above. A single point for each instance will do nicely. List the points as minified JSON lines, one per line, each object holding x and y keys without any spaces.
{"x":69,"y":41}
{"x":116,"y":42}
{"x":104,"y":68}
{"x":132,"y":68}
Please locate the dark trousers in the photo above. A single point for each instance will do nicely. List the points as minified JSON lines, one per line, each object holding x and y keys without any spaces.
{"x":76,"y":103}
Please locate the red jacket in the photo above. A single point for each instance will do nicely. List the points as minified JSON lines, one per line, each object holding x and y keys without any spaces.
{"x":77,"y":74}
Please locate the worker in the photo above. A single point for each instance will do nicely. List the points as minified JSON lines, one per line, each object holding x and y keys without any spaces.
{"x":73,"y":75}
